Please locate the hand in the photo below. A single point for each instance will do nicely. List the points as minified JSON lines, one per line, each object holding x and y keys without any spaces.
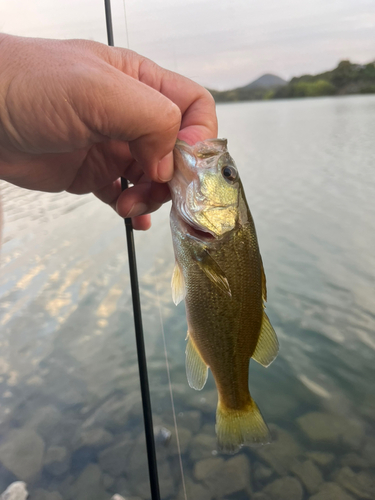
{"x":76,"y":115}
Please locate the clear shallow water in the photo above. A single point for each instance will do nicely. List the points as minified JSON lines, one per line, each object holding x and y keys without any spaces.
{"x":70,"y":413}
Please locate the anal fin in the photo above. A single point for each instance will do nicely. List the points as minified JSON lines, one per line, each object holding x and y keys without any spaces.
{"x":268,"y":345}
{"x":196,"y":368}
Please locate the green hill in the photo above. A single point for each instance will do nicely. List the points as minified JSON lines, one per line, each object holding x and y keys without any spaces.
{"x":347,"y":78}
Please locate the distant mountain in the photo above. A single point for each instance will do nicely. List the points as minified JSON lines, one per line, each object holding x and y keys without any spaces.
{"x":266,"y":81}
{"x":346,"y":78}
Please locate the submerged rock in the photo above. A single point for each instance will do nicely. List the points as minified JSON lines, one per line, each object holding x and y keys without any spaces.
{"x":40,"y":494}
{"x":162,"y":435}
{"x":361,"y":484}
{"x":331,"y":429}
{"x":15,"y":491}
{"x":203,"y":446}
{"x":354,"y":460}
{"x":322,"y":459}
{"x":89,"y":485}
{"x":191,"y":420}
{"x":96,"y":437}
{"x":184,"y":436}
{"x":56,"y":460}
{"x":281,"y":453}
{"x":234,"y":477}
{"x":113,"y":459}
{"x":286,"y":488}
{"x":194,"y":491}
{"x":136,"y":471}
{"x":369,"y":451}
{"x":115,"y":412}
{"x":262,"y":473}
{"x":331,"y":491}
{"x":22,"y":453}
{"x":208,"y":468}
{"x":309,"y":475}
{"x":224,"y":477}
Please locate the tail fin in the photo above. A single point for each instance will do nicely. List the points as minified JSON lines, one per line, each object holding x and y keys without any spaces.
{"x":237,"y":427}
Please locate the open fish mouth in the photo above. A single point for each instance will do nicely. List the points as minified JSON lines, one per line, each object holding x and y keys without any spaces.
{"x":200,"y":233}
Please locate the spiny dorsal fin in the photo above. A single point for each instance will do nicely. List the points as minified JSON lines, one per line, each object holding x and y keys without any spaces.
{"x":268,"y":345}
{"x":213,"y":272}
{"x":178,"y":284}
{"x":196,"y":368}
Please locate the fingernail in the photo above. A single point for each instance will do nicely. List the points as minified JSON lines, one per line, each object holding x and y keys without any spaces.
{"x":165,"y":168}
{"x":137,"y":209}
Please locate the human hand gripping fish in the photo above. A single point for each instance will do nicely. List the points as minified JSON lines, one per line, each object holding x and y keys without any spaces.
{"x":219,"y":273}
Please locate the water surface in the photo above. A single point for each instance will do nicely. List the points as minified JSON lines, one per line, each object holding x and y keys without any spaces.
{"x":70,"y":412}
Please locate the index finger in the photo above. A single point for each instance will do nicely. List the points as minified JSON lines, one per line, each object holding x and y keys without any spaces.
{"x":199,"y":121}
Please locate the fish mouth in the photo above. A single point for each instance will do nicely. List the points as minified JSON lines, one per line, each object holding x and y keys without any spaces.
{"x":200,"y":233}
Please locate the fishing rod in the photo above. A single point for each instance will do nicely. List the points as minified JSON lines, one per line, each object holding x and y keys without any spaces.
{"x":141,"y":353}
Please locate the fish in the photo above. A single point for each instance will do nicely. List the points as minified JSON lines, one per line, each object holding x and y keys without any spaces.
{"x":219,"y":273}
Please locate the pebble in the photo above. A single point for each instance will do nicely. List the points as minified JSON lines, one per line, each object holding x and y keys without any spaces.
{"x":331,"y":491}
{"x":22,"y":453}
{"x":281,"y":453}
{"x":331,"y":429}
{"x":309,"y":474}
{"x":15,"y":491}
{"x":286,"y":488}
{"x":361,"y":484}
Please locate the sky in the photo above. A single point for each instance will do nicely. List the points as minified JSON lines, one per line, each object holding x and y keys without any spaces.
{"x":221,"y":44}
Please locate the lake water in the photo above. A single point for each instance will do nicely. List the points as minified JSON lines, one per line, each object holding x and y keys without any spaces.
{"x":70,"y":412}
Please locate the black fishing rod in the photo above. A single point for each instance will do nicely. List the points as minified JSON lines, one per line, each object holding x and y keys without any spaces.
{"x":142,"y":364}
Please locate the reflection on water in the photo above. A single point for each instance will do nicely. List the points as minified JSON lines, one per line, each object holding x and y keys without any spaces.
{"x":70,"y":413}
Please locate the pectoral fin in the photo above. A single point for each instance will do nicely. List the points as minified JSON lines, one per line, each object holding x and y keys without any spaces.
{"x":264,"y":281}
{"x":268,"y":345}
{"x":196,"y":368}
{"x":213,"y":272}
{"x":178,"y":284}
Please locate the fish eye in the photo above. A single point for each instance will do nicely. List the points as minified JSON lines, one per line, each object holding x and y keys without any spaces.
{"x":229,"y":173}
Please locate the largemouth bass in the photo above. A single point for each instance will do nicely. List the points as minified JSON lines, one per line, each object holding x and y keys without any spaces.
{"x":219,"y":273}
